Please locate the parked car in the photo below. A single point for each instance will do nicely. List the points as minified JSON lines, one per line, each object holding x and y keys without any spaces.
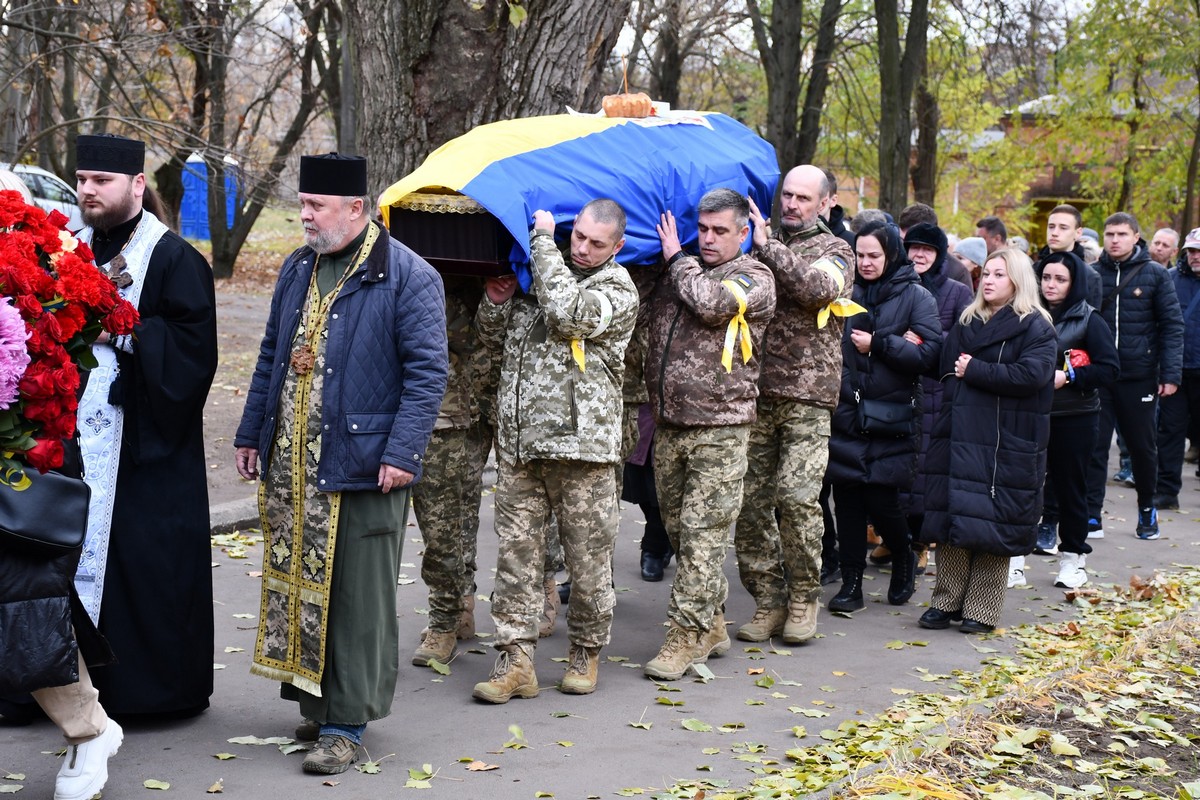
{"x":49,"y":191}
{"x":11,"y":182}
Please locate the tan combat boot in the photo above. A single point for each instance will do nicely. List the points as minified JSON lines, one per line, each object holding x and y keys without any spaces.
{"x":583,"y":664}
{"x":801,"y":624}
{"x":765,"y":623}
{"x":466,"y":620}
{"x":435,"y":645}
{"x":715,"y":642}
{"x":677,"y":654}
{"x":512,"y":676}
{"x":550,"y":606}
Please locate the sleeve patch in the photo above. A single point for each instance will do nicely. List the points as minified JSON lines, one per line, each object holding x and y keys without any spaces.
{"x":744,"y":280}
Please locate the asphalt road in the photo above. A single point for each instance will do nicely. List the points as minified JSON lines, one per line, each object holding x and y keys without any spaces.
{"x":577,"y":747}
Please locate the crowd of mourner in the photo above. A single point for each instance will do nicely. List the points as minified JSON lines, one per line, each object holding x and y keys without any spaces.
{"x":822,"y":392}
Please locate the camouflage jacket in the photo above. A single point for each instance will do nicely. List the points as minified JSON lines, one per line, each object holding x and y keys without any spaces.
{"x":644,"y":278}
{"x":801,"y":361}
{"x":690,"y":313}
{"x":459,"y":408}
{"x":547,"y":406}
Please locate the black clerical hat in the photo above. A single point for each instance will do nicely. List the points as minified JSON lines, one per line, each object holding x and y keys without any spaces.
{"x":333,"y":173}
{"x":105,"y":152}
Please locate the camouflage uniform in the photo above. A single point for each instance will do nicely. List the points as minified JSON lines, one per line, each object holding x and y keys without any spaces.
{"x":703,"y":414}
{"x":633,"y":392}
{"x":558,"y":436}
{"x":439,"y":499}
{"x":483,"y":366}
{"x":789,"y":443}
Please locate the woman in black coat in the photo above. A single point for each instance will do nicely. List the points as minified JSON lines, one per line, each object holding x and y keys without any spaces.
{"x":987,"y":458}
{"x":884,"y":351}
{"x":1087,"y":360}
{"x":927,"y":247}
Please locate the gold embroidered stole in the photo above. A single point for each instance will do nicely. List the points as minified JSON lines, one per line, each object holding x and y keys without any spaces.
{"x":299,"y":521}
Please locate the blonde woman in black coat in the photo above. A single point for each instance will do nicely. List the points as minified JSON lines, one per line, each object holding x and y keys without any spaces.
{"x":987,"y":457}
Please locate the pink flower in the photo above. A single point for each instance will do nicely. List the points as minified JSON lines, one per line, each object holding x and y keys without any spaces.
{"x":14,"y":355}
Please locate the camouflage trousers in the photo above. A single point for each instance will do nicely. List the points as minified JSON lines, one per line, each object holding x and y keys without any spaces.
{"x":582,"y":496}
{"x":698,"y":474}
{"x":786,"y":459}
{"x":478,"y":445}
{"x":439,"y":503}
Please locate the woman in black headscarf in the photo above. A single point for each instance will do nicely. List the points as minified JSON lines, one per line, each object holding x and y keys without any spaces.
{"x":1087,"y":360}
{"x":884,"y":352}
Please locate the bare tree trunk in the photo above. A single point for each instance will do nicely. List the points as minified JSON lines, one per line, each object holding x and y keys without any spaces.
{"x":924,"y":169}
{"x":897,"y":78}
{"x":1133,"y":124}
{"x":1191,"y":213}
{"x":818,"y":82}
{"x":780,"y":52}
{"x":670,"y":55}
{"x":430,"y":70}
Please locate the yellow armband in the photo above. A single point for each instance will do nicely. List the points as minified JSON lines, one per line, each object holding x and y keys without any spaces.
{"x":737,"y":327}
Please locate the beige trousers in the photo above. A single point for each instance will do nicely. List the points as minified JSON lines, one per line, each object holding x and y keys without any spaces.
{"x":74,"y":708}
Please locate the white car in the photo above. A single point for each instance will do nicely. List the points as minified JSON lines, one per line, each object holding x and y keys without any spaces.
{"x":49,"y":191}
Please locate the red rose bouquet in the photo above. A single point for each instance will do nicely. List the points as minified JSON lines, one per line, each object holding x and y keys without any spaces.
{"x":54,"y":303}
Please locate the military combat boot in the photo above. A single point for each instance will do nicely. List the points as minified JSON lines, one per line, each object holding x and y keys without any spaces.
{"x":511,"y":676}
{"x":466,"y":620}
{"x":438,"y":645}
{"x":801,"y":624}
{"x":765,"y":623}
{"x":583,"y":666}
{"x":677,"y":654}
{"x":715,"y":642}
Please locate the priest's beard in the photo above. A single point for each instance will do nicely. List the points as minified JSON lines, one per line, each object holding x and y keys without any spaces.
{"x":105,"y":219}
{"x":329,"y":239}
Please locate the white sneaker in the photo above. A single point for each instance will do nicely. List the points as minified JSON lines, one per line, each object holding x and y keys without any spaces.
{"x":1071,"y":572}
{"x":85,"y":766}
{"x":1016,"y":572}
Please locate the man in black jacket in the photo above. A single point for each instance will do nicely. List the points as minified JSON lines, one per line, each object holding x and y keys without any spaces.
{"x":1064,"y":229}
{"x":1142,"y":309}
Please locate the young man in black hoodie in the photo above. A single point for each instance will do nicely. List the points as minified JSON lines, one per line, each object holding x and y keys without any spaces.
{"x":1064,"y":228}
{"x":1141,"y":307}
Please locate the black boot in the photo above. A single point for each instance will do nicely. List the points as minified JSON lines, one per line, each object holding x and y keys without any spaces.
{"x":850,"y":597}
{"x":904,"y":570}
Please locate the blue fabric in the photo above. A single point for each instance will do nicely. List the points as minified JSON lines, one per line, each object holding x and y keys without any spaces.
{"x":387,"y":360}
{"x":1187,"y":286}
{"x":647,"y":169}
{"x":352,"y":732}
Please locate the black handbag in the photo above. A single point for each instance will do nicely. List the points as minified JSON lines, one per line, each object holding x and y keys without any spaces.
{"x":884,"y":419}
{"x":48,"y":518}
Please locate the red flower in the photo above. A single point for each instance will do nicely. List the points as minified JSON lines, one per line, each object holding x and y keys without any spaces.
{"x":60,"y":294}
{"x":45,"y":455}
{"x":121,"y":319}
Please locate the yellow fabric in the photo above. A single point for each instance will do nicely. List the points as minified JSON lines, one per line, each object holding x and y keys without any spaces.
{"x":577,"y":352}
{"x":737,"y":325}
{"x":839,"y":307}
{"x":456,"y":163}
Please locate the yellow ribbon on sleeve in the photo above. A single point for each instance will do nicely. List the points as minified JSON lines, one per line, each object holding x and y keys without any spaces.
{"x":737,"y":326}
{"x":577,"y":352}
{"x":839,"y":306}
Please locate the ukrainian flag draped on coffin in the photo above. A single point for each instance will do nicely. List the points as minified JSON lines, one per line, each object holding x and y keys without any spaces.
{"x":558,"y":163}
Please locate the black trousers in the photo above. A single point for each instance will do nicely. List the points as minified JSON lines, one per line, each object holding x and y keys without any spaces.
{"x":854,"y":504}
{"x":1174,"y":413}
{"x":1132,"y":405}
{"x":654,"y":538}
{"x":1072,"y":440}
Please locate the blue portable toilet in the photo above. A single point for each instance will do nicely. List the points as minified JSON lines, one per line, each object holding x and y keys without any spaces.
{"x":193,"y":210}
